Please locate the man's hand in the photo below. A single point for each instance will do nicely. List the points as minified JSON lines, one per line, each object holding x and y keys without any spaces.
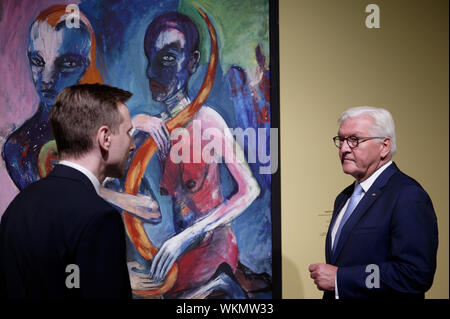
{"x":324,"y":276}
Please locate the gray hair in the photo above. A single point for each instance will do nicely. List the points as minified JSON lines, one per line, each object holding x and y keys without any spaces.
{"x":384,"y":122}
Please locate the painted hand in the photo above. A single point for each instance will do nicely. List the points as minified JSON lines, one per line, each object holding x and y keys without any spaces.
{"x":169,"y":252}
{"x":139,"y":279}
{"x":324,"y":276}
{"x":156,"y":128}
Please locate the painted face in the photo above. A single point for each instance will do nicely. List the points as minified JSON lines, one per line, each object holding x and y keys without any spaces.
{"x":58,"y":57}
{"x":122,"y":144}
{"x":167,"y":70}
{"x":362,"y":161}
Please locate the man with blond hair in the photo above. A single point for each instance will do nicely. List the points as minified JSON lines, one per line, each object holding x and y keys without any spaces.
{"x":58,"y":237}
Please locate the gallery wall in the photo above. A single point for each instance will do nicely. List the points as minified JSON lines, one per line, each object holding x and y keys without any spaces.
{"x":330,"y":61}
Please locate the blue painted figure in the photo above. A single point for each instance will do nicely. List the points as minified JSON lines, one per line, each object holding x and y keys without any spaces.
{"x":59,"y":56}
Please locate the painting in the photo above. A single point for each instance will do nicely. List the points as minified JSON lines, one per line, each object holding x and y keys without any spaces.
{"x":200,"y":198}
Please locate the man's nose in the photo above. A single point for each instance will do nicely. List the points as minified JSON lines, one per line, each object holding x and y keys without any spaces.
{"x":345,"y":148}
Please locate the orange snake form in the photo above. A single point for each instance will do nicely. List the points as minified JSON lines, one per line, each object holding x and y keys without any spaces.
{"x":138,"y":166}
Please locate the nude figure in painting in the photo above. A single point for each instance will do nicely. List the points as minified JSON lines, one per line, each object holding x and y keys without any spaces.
{"x":204,"y":240}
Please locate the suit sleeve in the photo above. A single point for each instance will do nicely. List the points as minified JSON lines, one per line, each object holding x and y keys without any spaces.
{"x":411,"y":263}
{"x":101,"y":258}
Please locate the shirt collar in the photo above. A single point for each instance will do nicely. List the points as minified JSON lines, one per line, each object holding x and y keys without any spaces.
{"x":85,"y":171}
{"x":369,"y":182}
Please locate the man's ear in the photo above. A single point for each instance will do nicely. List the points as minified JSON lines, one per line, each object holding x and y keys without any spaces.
{"x":386,"y":147}
{"x":194,"y":61}
{"x":104,"y":138}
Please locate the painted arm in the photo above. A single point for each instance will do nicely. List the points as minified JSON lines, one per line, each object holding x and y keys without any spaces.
{"x":225,"y":213}
{"x":140,"y":206}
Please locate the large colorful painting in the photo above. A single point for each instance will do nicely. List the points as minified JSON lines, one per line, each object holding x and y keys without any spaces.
{"x":198,"y":199}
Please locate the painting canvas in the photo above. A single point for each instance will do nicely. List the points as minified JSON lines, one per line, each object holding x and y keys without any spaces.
{"x":200,"y":196}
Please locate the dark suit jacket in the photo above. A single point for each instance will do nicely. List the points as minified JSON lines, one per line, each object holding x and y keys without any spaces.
{"x":55,"y":222}
{"x":394,"y":227}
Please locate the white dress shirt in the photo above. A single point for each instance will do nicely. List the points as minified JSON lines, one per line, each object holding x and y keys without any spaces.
{"x":86,"y":172}
{"x":365,"y":185}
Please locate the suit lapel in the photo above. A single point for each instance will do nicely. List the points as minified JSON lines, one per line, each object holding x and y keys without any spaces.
{"x":372,"y":194}
{"x":340,"y":202}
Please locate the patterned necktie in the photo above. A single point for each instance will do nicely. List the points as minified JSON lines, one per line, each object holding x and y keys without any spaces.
{"x":354,"y":200}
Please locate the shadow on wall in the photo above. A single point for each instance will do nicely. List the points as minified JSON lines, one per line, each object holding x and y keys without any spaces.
{"x":292,"y":283}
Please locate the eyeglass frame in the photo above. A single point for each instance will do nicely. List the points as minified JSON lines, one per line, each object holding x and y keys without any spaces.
{"x":358,"y":139}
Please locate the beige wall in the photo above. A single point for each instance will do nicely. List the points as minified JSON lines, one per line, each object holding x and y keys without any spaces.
{"x":330,"y":61}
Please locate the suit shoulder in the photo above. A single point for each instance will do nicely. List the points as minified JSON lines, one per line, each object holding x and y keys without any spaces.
{"x":404,"y":185}
{"x":66,"y":194}
{"x":402,"y":180}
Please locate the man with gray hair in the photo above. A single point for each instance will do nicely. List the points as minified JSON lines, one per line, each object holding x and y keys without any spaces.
{"x":382,"y":240}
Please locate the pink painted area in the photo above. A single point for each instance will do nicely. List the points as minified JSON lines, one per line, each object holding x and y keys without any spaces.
{"x":199,"y":264}
{"x":8,"y":190}
{"x":18,"y":97}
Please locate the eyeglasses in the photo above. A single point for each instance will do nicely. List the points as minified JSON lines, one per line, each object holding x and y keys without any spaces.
{"x":352,"y":141}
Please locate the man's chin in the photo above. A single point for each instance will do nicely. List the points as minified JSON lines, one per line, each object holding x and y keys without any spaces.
{"x":348,"y":167}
